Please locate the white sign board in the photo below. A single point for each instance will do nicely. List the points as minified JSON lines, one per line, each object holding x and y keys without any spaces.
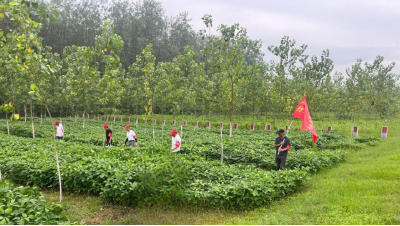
{"x":355,"y":131}
{"x":384,"y":132}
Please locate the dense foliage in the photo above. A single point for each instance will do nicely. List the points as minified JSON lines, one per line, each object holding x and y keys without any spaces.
{"x":146,"y":175}
{"x":25,"y":205}
{"x":129,"y":58}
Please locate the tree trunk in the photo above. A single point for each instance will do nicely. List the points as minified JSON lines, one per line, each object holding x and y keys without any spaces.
{"x":231,"y":115}
{"x":8,"y":126}
{"x":182,"y":113}
{"x":222,"y":148}
{"x":152,"y":120}
{"x":56,"y":153}
{"x":25,"y":112}
{"x":253,"y":113}
{"x":84,"y":111}
{"x":33,"y":126}
{"x":266,"y":114}
{"x":366,"y":123}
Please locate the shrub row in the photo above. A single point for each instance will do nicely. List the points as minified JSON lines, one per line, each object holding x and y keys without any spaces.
{"x":145,"y":176}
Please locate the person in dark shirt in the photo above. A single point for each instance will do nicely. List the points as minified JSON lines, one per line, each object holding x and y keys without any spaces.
{"x":108,"y":135}
{"x":282,"y":144}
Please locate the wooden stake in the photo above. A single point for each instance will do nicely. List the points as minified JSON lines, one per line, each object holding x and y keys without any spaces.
{"x":222,"y":148}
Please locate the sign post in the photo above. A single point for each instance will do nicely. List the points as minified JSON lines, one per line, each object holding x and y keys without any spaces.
{"x":235,"y":126}
{"x":287,"y":128}
{"x":252,"y":126}
{"x":384,"y":132}
{"x":154,"y":121}
{"x":163,"y":122}
{"x":208,"y":125}
{"x":269,"y":127}
{"x":329,"y":128}
{"x":184,"y":123}
{"x":173,"y":122}
{"x":355,"y":131}
{"x":222,"y":125}
{"x":196,"y":124}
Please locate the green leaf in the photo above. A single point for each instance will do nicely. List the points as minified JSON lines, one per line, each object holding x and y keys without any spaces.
{"x":35,"y":5}
{"x":8,"y":210}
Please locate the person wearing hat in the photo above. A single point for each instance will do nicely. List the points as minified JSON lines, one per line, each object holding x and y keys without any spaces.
{"x":108,"y":135}
{"x":176,"y":141}
{"x":131,"y":137}
{"x":60,"y":130}
{"x":282,"y":144}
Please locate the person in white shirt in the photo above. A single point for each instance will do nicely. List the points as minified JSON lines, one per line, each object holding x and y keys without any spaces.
{"x":60,"y":130}
{"x":131,"y":137}
{"x":176,"y":141}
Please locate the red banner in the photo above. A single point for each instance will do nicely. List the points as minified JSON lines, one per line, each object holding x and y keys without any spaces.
{"x":303,"y":114}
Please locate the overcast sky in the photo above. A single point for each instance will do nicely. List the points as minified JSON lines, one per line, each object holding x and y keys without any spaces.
{"x":349,"y":29}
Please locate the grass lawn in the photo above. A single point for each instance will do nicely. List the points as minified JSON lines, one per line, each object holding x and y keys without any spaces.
{"x":363,"y":190}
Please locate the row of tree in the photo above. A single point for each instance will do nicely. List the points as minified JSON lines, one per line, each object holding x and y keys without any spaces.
{"x":221,"y":73}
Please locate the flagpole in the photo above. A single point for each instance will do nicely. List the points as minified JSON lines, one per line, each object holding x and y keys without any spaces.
{"x":289,"y":127}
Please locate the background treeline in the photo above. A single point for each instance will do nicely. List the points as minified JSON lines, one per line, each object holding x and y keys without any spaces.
{"x":128,"y":57}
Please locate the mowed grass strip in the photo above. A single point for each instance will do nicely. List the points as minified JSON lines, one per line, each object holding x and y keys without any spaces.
{"x":94,"y":210}
{"x":363,"y":190}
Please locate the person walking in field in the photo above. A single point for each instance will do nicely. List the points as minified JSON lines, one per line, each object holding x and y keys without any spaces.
{"x":60,"y":130}
{"x":282,"y":144}
{"x":108,"y":135}
{"x":176,"y":141}
{"x":130,"y":137}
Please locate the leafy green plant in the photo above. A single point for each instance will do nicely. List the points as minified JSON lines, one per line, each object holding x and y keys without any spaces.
{"x":25,"y":205}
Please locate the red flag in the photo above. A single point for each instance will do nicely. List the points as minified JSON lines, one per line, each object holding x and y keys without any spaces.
{"x":303,"y":114}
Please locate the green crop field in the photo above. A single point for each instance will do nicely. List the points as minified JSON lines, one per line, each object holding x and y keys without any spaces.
{"x":325,"y":183}
{"x":87,"y":63}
